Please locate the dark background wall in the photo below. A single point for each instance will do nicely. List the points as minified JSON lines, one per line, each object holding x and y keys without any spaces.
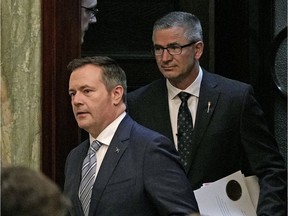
{"x":244,"y":40}
{"x":279,"y":67}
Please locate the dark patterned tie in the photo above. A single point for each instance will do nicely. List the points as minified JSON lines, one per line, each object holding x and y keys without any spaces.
{"x":185,"y":129}
{"x":88,"y":176}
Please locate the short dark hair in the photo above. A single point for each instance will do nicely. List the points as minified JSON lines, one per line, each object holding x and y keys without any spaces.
{"x":113,"y":74}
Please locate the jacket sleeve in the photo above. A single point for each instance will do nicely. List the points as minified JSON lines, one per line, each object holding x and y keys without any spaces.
{"x":165,"y":180}
{"x":264,"y":157}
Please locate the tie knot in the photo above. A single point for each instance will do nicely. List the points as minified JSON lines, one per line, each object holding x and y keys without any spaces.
{"x":95,"y":145}
{"x":184,"y":96}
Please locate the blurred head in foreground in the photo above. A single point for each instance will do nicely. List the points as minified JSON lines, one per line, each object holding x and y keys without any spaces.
{"x":27,"y":192}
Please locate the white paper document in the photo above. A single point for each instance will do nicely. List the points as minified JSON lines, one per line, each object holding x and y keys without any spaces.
{"x":229,"y":196}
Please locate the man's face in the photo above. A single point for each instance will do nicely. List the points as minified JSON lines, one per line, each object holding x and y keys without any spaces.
{"x":177,"y":68}
{"x":91,"y":102}
{"x":87,"y":16}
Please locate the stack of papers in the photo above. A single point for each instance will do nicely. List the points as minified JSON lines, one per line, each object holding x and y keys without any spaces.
{"x":234,"y":195}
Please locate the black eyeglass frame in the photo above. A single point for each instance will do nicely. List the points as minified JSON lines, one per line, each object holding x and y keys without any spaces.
{"x":93,"y":10}
{"x":172,"y":47}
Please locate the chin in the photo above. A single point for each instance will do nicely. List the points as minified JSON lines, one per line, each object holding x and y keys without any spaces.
{"x":82,"y":125}
{"x":170,"y":75}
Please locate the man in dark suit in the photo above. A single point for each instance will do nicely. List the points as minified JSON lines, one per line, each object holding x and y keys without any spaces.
{"x":138,"y":171}
{"x":229,"y":132}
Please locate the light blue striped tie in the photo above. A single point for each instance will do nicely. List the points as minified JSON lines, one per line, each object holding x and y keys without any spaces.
{"x":88,"y":176}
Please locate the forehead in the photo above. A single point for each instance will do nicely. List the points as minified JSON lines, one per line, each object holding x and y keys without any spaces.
{"x":169,"y":35}
{"x":86,"y":74}
{"x":89,"y":3}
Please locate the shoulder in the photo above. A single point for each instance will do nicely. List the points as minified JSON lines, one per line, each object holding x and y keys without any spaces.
{"x":224,"y":84}
{"x":147,"y":96}
{"x":139,"y":136}
{"x":148,"y":136}
{"x":150,"y":89}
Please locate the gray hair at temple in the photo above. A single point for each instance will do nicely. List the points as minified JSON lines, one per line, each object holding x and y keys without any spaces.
{"x":27,"y":192}
{"x":191,"y":23}
{"x":113,"y":74}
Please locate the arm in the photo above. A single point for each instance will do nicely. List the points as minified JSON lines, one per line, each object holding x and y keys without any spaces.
{"x":165,"y":180}
{"x":264,"y":157}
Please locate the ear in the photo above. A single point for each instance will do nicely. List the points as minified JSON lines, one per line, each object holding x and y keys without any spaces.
{"x":117,"y":94}
{"x":199,"y":47}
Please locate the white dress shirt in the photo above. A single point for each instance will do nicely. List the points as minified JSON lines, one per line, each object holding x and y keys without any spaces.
{"x":174,"y":101}
{"x":105,"y":138}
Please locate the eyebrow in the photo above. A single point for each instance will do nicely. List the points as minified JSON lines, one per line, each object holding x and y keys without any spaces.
{"x":81,"y":88}
{"x":170,"y":44}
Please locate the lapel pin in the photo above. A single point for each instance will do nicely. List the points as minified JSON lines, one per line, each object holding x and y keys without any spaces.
{"x":208,"y":106}
{"x":117,"y":150}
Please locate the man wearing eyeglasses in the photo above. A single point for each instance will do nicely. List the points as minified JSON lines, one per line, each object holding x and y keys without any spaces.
{"x":226,"y":130}
{"x":88,"y":15}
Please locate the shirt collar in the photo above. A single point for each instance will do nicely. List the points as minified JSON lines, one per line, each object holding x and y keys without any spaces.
{"x":107,"y":134}
{"x":193,"y":89}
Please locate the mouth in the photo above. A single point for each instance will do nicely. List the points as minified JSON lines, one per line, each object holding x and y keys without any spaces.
{"x":79,"y":114}
{"x":166,"y":68}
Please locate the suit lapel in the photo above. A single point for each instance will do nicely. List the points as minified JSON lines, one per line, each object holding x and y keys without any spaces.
{"x":115,"y":151}
{"x":207,"y":102}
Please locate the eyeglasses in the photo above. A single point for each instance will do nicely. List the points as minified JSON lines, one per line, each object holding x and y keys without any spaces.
{"x":92,"y":10}
{"x":172,"y":49}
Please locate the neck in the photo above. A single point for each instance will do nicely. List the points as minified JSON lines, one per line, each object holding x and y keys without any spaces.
{"x":119,"y":109}
{"x":183,"y":82}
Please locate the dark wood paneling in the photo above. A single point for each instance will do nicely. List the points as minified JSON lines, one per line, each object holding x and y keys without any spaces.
{"x":232,"y":39}
{"x":124,"y":32}
{"x":124,"y":27}
{"x":243,"y":36}
{"x":60,"y":44}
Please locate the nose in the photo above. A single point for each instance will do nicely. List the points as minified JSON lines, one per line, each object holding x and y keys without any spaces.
{"x":76,"y":99}
{"x":166,"y":56}
{"x":93,"y":19}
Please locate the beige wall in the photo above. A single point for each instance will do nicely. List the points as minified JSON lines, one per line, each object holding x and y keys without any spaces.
{"x":20,"y":82}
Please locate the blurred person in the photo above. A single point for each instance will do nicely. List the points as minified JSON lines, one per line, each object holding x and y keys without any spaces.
{"x":224,"y":129}
{"x":123,"y":168}
{"x":27,"y":192}
{"x":88,"y":15}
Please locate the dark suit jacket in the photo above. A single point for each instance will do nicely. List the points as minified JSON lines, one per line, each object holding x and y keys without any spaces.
{"x":232,"y":136}
{"x":144,"y":177}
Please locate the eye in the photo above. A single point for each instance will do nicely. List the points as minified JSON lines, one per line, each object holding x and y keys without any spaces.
{"x":71,"y":94}
{"x":157,"y":48}
{"x":86,"y":91}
